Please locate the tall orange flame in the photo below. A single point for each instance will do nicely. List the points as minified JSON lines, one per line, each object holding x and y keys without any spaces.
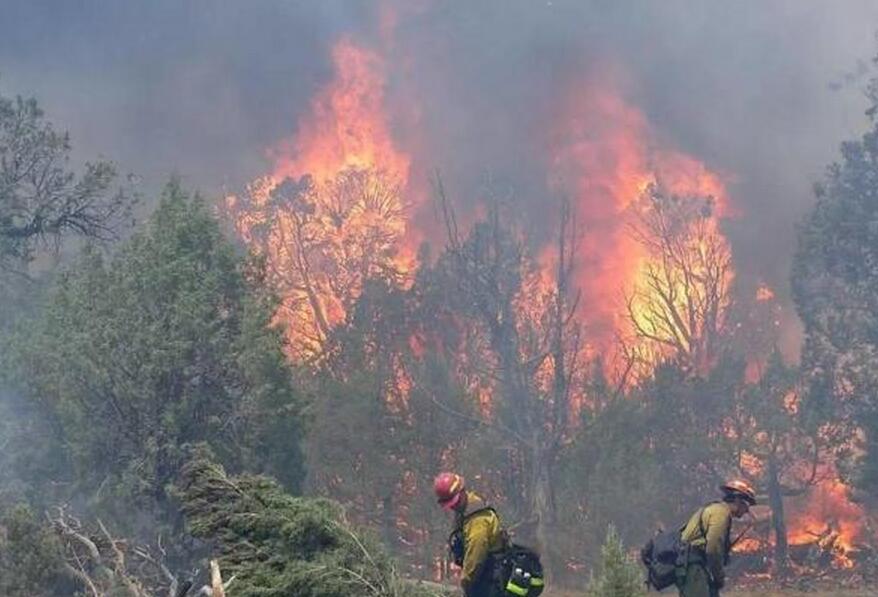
{"x":347,"y":126}
{"x":341,"y":216}
{"x":604,"y":152}
{"x":344,"y":219}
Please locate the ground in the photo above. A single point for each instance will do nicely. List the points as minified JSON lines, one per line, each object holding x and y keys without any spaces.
{"x":818,"y":593}
{"x":815,"y":593}
{"x":731,"y":593}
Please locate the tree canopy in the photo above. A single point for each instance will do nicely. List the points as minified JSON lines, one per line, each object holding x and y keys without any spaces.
{"x":41,"y":200}
{"x":835,"y":286}
{"x":164,"y":342}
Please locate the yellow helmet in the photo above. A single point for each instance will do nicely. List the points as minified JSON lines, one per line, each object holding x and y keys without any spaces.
{"x":739,"y":488}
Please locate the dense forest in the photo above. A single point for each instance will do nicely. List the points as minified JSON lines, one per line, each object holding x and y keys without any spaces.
{"x":272,"y":380}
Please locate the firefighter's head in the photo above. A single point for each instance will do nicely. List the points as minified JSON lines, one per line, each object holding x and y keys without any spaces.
{"x":739,"y":495}
{"x":450,"y":491}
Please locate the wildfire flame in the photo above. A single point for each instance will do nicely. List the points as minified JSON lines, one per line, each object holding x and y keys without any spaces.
{"x":828,"y":518}
{"x":606,"y":154}
{"x":331,"y":213}
{"x":764,"y":293}
{"x":347,"y":126}
{"x":824,"y":527}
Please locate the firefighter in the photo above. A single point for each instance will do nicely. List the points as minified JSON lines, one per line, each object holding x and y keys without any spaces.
{"x":708,"y":534}
{"x":478,"y":540}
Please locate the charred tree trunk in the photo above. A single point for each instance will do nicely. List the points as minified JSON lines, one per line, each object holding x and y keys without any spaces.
{"x":388,"y":524}
{"x":542,"y":502}
{"x":490,"y":268}
{"x":778,"y":520}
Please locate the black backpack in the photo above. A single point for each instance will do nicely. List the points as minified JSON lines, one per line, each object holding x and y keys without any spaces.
{"x":664,"y":554}
{"x":517,"y":569}
{"x":521,"y":572}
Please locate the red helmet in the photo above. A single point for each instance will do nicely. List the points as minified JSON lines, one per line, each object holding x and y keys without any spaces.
{"x":740,"y":488}
{"x":449,"y":489}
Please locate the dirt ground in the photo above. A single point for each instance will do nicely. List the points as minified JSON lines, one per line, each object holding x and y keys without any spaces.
{"x":816,"y":593}
{"x":730,"y":593}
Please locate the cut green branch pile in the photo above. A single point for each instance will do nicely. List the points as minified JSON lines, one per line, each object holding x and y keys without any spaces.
{"x":278,"y":545}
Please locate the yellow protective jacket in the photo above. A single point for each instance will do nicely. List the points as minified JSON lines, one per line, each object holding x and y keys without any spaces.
{"x":482,"y":536}
{"x":708,"y":530}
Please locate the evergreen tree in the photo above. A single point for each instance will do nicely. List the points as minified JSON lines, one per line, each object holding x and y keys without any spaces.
{"x":30,"y":555}
{"x":618,"y":575}
{"x":41,"y":201}
{"x":165,"y":342}
{"x":835,"y":287}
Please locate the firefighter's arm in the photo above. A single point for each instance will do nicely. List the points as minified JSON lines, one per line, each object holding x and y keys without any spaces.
{"x":717,"y":525}
{"x":476,"y":550}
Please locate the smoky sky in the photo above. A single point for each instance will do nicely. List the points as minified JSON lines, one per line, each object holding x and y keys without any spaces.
{"x":762,"y":91}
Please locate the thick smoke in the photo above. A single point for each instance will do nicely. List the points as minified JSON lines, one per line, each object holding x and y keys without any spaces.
{"x":762,"y":92}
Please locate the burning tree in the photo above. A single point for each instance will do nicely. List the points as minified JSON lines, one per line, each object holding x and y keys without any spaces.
{"x":835,"y":287}
{"x":606,"y":155}
{"x":331,"y":214}
{"x":750,"y":402}
{"x":320,"y":242}
{"x":379,"y":382}
{"x":520,"y":319}
{"x":679,"y":303}
{"x":779,"y":443}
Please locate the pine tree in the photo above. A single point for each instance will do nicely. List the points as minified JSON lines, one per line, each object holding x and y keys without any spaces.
{"x":618,"y":574}
{"x":165,"y":341}
{"x":30,"y":555}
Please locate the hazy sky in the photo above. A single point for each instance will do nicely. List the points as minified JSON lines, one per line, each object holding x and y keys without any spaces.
{"x":761,"y":90}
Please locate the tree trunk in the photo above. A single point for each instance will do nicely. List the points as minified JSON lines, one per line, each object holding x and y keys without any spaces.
{"x":778,"y":520}
{"x":541,"y":504}
{"x":388,"y":524}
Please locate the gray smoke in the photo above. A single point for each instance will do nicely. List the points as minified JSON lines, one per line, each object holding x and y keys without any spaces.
{"x":762,"y":91}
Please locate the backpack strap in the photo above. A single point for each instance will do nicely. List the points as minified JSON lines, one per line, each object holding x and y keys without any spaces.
{"x":700,"y":515}
{"x":469,"y":515}
{"x":701,"y":528}
{"x":457,"y":538}
{"x":727,"y":540}
{"x":462,"y":519}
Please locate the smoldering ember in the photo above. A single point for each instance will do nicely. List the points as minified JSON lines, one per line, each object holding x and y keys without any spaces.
{"x":600,"y":278}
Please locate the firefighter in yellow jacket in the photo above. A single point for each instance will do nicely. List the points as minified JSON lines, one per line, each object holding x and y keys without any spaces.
{"x":708,"y":535}
{"x":478,"y":539}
